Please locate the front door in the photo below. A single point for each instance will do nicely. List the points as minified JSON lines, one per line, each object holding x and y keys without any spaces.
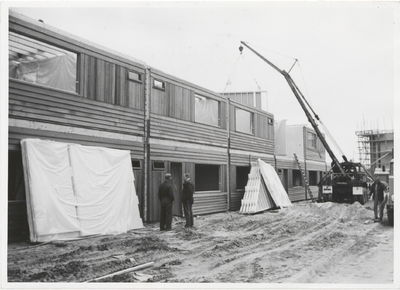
{"x":176,"y":171}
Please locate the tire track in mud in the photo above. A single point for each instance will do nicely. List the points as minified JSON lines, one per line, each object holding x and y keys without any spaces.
{"x":249,"y":247}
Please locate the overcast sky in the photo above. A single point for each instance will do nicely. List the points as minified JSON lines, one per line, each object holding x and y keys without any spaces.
{"x":347,"y":52}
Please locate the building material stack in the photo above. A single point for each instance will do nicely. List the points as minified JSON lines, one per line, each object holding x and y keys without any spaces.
{"x":264,"y":190}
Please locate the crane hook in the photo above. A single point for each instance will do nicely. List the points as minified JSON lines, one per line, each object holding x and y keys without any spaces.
{"x":240,"y":49}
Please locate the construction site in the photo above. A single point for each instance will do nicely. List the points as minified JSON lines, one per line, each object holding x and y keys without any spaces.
{"x":94,"y":134}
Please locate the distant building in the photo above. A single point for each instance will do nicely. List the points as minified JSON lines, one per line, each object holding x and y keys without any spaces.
{"x":289,"y":140}
{"x":376,"y":149}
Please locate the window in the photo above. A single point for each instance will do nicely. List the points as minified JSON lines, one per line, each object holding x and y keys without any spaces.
{"x":158,"y":165}
{"x":244,"y":121}
{"x":297,"y":178}
{"x":311,"y":140}
{"x":207,"y":111}
{"x":40,"y":63}
{"x":136,"y":164}
{"x":242,"y":176}
{"x":159,"y":84}
{"x":134,"y":76}
{"x":270,"y":128}
{"x":312,"y":177}
{"x":207,"y":177}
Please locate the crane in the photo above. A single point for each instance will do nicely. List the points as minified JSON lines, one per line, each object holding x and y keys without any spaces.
{"x":344,"y":181}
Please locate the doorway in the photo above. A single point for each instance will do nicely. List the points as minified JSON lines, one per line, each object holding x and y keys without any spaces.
{"x":176,"y":171}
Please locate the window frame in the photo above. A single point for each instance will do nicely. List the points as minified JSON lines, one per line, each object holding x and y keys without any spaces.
{"x":50,"y":47}
{"x":199,"y":96}
{"x":252,"y":129}
{"x":157,"y":87}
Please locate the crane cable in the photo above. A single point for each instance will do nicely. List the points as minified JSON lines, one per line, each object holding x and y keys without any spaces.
{"x":231,"y":73}
{"x":316,"y":116}
{"x":237,"y":60}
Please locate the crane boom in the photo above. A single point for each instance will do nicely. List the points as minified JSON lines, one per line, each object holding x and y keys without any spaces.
{"x":299,"y":96}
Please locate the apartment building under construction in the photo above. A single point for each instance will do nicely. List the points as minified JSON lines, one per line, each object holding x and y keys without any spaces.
{"x":376,"y":149}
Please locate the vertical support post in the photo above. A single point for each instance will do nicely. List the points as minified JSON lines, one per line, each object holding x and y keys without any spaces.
{"x":228,"y":171}
{"x":146,"y":183}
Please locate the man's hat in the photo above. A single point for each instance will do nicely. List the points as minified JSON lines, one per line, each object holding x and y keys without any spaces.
{"x":168,"y":175}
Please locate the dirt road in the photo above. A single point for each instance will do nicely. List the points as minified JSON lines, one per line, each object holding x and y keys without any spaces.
{"x":305,"y":243}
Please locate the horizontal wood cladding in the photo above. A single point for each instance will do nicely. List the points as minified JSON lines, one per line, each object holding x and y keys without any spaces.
{"x":286,"y":163}
{"x":38,"y":104}
{"x":207,"y":203}
{"x":248,"y":142}
{"x":183,"y":154}
{"x":169,"y":128}
{"x":312,"y":154}
{"x":16,"y":134}
{"x":236,"y":200}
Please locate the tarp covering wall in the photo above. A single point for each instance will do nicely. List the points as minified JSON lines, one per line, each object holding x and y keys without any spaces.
{"x":74,"y":191}
{"x":264,"y":190}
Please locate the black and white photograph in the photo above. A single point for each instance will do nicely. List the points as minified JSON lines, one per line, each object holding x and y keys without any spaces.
{"x":199,"y":144}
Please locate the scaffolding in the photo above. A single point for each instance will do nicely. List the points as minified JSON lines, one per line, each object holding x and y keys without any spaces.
{"x":375,"y":148}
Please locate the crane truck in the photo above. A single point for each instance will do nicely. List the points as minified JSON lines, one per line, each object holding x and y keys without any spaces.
{"x":346,"y":181}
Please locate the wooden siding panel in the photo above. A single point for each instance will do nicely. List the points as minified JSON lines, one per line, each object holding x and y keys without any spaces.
{"x":16,"y":134}
{"x":38,"y":104}
{"x":182,"y":154}
{"x":208,"y":203}
{"x":177,"y":130}
{"x":236,"y":200}
{"x":248,"y":142}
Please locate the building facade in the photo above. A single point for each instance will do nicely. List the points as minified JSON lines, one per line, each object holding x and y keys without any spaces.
{"x":65,"y":89}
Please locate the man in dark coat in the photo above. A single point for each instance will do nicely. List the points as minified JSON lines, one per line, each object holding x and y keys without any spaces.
{"x":166,"y":197}
{"x":187,"y":200}
{"x":378,"y":189}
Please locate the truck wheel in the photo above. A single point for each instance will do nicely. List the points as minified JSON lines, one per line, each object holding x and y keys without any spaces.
{"x":390,"y":217}
{"x":361,"y":199}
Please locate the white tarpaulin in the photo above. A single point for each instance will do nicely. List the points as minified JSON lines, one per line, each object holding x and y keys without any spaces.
{"x":74,"y":190}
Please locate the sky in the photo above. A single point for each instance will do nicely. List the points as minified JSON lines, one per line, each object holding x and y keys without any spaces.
{"x":347,"y":52}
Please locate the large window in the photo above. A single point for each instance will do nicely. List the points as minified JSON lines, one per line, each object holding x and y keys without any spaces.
{"x":206,"y":111}
{"x":242,"y":176}
{"x":244,"y":121}
{"x":40,"y":63}
{"x":207,"y":177}
{"x":311,"y":140}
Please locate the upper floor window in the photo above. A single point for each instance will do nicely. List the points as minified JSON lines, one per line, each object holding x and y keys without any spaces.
{"x":206,"y":111}
{"x":134,"y":76}
{"x":244,"y":121}
{"x":41,"y":63}
{"x":159,"y":84}
{"x":311,"y":140}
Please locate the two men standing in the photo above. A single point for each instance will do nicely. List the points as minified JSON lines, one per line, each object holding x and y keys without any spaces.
{"x":166,"y":197}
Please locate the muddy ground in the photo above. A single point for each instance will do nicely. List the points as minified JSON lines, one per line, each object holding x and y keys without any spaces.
{"x":305,"y":243}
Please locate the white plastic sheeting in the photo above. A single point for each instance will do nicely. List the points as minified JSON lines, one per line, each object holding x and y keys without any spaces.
{"x":264,"y":190}
{"x":74,"y":190}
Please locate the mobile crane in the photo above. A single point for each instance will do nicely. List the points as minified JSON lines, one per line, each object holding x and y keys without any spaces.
{"x":346,"y":181}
